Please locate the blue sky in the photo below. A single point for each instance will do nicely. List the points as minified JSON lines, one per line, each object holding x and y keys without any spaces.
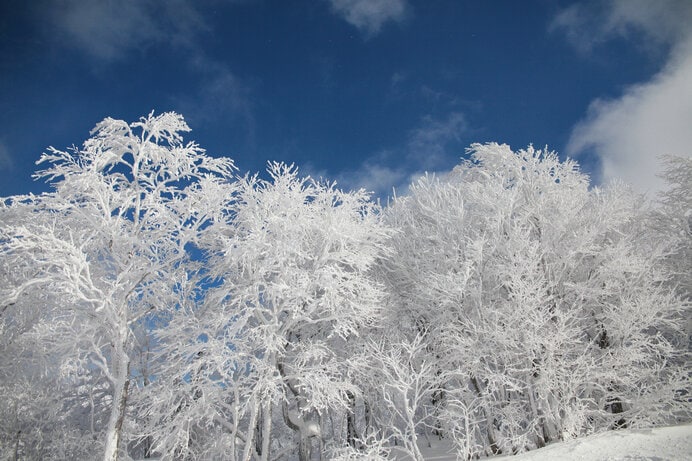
{"x":366,"y":92}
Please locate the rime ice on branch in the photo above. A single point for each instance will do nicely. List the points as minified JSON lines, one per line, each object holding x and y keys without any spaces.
{"x":109,"y":248}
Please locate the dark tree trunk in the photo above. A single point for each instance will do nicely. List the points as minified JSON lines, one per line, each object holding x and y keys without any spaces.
{"x":437,"y":400}
{"x":351,"y":432}
{"x":258,"y":434}
{"x":16,"y":446}
{"x":613,"y":403}
{"x":488,"y":418}
{"x":305,"y":449}
{"x":148,"y":443}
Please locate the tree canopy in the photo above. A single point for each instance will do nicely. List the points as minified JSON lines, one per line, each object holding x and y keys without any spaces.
{"x":157,"y":303}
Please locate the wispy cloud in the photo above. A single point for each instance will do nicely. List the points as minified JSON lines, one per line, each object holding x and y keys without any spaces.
{"x":428,"y":148}
{"x":6,"y":162}
{"x":651,"y":118}
{"x":429,"y":142}
{"x":221,"y":89}
{"x":370,"y":15}
{"x":378,"y":178}
{"x":588,"y":25}
{"x":107,"y":30}
{"x":218,"y":96}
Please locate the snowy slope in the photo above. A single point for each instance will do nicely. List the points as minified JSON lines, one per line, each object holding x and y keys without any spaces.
{"x":661,"y":444}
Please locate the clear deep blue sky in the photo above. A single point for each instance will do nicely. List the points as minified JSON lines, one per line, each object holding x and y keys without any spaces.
{"x":366,"y":92}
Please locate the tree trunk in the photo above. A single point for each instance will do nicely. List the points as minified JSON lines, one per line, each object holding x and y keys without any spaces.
{"x":321,"y":439}
{"x":247,"y":453}
{"x":437,"y":400}
{"x":148,"y":444}
{"x":295,"y":420}
{"x":351,"y":433}
{"x":368,"y":418}
{"x":266,"y":431}
{"x":16,"y":446}
{"x":259,"y":432}
{"x":121,"y":374}
{"x":490,"y":431}
{"x":614,"y":405}
{"x":305,"y":448}
{"x":412,"y":441}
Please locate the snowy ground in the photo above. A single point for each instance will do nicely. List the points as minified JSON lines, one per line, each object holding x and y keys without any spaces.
{"x":662,"y":444}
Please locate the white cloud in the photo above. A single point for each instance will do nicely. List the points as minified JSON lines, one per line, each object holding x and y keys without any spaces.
{"x":107,"y":30}
{"x":369,"y":15}
{"x":649,"y":119}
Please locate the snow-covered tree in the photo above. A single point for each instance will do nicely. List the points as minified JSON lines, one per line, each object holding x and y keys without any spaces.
{"x":672,"y":221}
{"x":262,"y":358}
{"x":542,"y":299}
{"x":407,"y":380}
{"x":110,"y":246}
{"x":39,"y":417}
{"x":154,"y":304}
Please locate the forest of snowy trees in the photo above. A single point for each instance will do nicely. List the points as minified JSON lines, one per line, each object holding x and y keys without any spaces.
{"x":158,"y":303}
